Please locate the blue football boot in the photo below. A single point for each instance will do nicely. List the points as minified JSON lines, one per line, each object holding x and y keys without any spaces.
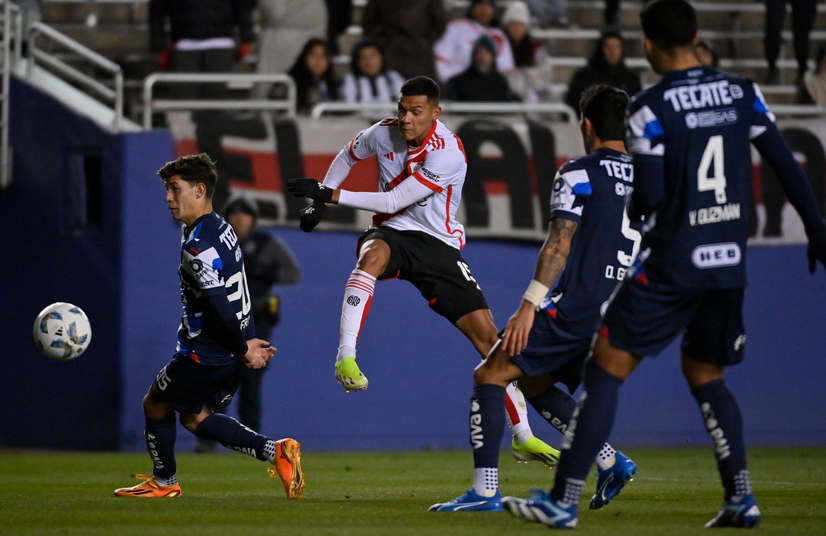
{"x":611,"y":481}
{"x":741,"y":512}
{"x":470,"y":502}
{"x":540,"y":508}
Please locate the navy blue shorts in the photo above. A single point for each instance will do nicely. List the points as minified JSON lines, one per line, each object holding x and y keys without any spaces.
{"x":189,"y":386}
{"x":552,"y":350}
{"x":646,"y":316}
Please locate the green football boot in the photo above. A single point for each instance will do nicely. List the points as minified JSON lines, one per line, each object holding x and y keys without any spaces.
{"x":535,"y":450}
{"x":349,"y":375}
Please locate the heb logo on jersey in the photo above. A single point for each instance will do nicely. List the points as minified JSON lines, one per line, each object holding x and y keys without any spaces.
{"x":710,"y":119}
{"x":716,"y":255}
{"x":719,"y":93}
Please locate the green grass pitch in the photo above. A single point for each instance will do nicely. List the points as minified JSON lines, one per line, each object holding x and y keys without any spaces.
{"x":364,"y":493}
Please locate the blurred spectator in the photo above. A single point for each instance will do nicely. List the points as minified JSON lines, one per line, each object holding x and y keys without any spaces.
{"x":482,"y":81}
{"x":532,"y":77}
{"x":285,"y":26}
{"x":268,"y":261}
{"x":804,"y":13}
{"x":369,"y":79}
{"x":339,"y":18}
{"x":549,"y":13}
{"x":408,"y":31}
{"x":813,"y":90}
{"x":706,"y":55}
{"x":314,"y":76}
{"x":611,"y":13}
{"x":606,"y":66}
{"x":201,"y":39}
{"x":527,"y":52}
{"x":453,"y":51}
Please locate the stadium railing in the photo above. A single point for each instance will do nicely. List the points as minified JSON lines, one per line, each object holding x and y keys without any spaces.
{"x":36,"y":55}
{"x":152,"y":106}
{"x":510,"y":108}
{"x":12,"y":21}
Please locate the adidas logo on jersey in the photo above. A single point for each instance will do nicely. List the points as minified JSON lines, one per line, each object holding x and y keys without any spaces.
{"x":390,"y":156}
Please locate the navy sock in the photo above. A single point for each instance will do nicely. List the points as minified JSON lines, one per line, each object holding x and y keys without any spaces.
{"x":556,"y":406}
{"x":589,"y":428}
{"x":160,"y":435}
{"x":724,"y":423}
{"x":233,"y":435}
{"x":487,"y":423}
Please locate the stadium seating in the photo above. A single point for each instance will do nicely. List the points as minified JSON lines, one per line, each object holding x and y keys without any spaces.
{"x":119,"y":30}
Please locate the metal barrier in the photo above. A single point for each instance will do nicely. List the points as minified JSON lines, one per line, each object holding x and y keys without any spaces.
{"x":35,"y":55}
{"x":797,"y":110}
{"x":452,"y":107}
{"x":12,"y":33}
{"x":151,"y":106}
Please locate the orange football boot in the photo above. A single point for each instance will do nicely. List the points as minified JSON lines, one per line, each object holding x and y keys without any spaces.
{"x":287,"y":466}
{"x":149,"y":488}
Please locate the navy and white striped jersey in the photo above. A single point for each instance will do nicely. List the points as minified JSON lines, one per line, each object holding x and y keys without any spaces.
{"x":690,"y":138}
{"x":212,"y":264}
{"x":591,"y":191}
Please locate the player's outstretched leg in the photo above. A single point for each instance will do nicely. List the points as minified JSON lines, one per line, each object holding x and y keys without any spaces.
{"x":525,"y":446}
{"x":487,"y":416}
{"x":358,"y":295}
{"x":724,"y":423}
{"x":284,"y":455}
{"x":614,"y":469}
{"x":160,"y":435}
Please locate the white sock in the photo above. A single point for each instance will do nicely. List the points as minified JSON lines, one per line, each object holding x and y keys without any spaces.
{"x":358,"y":293}
{"x":606,"y":457}
{"x":269,"y":450}
{"x":517,"y":414}
{"x":171,"y":481}
{"x":486,"y":481}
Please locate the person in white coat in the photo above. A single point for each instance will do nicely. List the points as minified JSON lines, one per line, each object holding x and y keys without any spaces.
{"x":370,"y":80}
{"x":453,"y":51}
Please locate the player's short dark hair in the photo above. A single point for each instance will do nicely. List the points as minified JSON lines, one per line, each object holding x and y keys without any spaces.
{"x":669,"y":23}
{"x":421,"y":85}
{"x":194,"y":169}
{"x":605,"y":107}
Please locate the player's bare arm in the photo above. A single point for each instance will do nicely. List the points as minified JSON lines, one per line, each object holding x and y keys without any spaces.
{"x":549,"y":265}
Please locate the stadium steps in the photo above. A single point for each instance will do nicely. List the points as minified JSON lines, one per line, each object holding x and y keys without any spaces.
{"x":119,"y":30}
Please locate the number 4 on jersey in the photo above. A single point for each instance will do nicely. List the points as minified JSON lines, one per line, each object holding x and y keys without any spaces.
{"x":717,"y":182}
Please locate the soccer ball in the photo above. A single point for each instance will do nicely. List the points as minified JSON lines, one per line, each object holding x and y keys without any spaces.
{"x":62,"y":331}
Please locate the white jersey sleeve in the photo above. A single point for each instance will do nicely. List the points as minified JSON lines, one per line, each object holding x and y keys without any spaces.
{"x":359,"y":148}
{"x":405,"y":194}
{"x":442,"y":168}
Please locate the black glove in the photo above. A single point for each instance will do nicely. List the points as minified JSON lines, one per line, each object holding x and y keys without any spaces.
{"x":817,"y":248}
{"x":312,"y":215}
{"x":310,"y":188}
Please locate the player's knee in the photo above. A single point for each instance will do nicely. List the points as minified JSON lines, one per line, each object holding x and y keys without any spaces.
{"x":153,"y":408}
{"x":189,"y":421}
{"x":374,"y":257}
{"x":491,"y":371}
{"x":698,"y":373}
